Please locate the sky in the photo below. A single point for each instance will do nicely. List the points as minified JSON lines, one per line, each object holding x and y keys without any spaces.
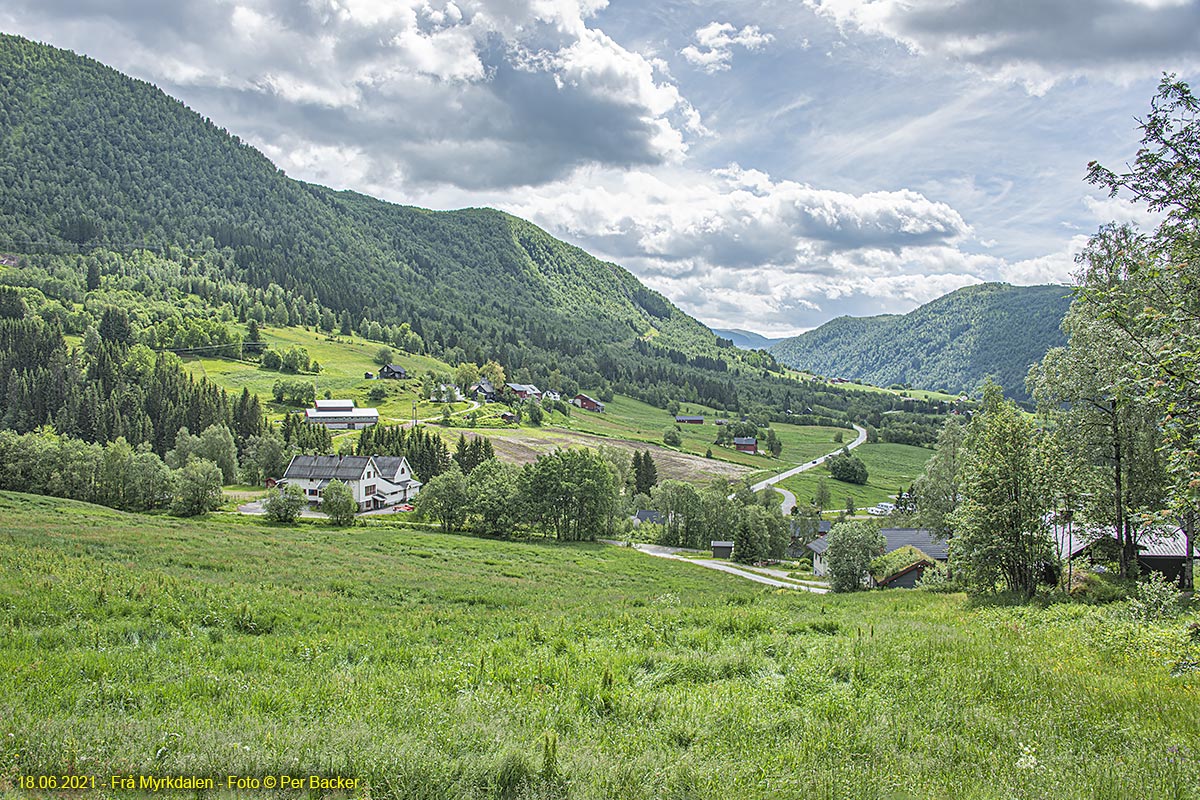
{"x":765,"y":165}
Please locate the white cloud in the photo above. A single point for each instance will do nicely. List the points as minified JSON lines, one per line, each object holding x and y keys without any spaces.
{"x":714,"y":43}
{"x":476,"y":93}
{"x":1036,"y":45}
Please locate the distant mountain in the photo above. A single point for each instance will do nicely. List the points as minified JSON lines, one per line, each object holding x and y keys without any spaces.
{"x":747,"y":340}
{"x":956,"y":342}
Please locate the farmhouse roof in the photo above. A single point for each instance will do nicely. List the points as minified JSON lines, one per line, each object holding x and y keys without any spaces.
{"x":653,"y":517}
{"x":1158,"y":543}
{"x":333,"y":405}
{"x":819,"y":545}
{"x":326,"y":468}
{"x":745,"y":440}
{"x":715,"y":543}
{"x":688,"y":417}
{"x":920,"y":538}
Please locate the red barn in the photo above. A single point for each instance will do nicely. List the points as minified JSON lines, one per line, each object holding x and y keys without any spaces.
{"x":587,"y":403}
{"x":745,"y":444}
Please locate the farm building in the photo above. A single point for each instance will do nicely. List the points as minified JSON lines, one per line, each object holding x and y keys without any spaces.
{"x":393,"y":372}
{"x":745,"y":444}
{"x":341,"y":415}
{"x":509,"y":418}
{"x":374,"y":481}
{"x":1162,"y":550}
{"x":918,"y":538}
{"x":689,"y":419}
{"x":722,"y":549}
{"x":587,"y":403}
{"x":525,"y":391}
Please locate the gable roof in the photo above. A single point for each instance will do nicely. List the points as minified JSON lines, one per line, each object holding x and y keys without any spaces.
{"x":819,"y":545}
{"x":920,"y":538}
{"x":394,"y":368}
{"x":390,"y":465}
{"x":654,"y":517}
{"x":1157,"y":543}
{"x":745,"y":440}
{"x":327,"y":468}
{"x":686,"y":417}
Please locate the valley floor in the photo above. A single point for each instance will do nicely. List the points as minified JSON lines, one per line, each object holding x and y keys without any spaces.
{"x":438,"y":666}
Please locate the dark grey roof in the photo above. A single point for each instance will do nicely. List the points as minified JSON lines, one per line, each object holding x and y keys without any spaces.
{"x":654,"y":517}
{"x":819,"y":546}
{"x":388,"y":465}
{"x":685,"y":417}
{"x":316,"y":468}
{"x":395,"y":368}
{"x":823,"y":526}
{"x":721,"y":544}
{"x":745,"y":440}
{"x":920,"y":538}
{"x":1158,"y":543}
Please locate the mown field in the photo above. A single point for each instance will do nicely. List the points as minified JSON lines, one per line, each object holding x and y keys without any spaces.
{"x":436,"y":666}
{"x":890,"y":468}
{"x":343,"y":362}
{"x":345,"y":359}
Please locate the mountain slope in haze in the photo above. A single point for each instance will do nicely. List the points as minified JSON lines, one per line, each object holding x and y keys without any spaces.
{"x":956,"y":342}
{"x":92,"y":158}
{"x":747,"y":340}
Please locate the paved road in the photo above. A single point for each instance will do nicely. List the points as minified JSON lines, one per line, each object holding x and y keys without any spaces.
{"x":789,"y":499}
{"x":721,"y":566}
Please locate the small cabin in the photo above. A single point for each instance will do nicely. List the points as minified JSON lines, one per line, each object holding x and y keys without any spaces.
{"x":722,"y":549}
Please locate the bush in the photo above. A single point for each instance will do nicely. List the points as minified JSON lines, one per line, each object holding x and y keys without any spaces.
{"x":672,"y":437}
{"x":338,"y":503}
{"x":197,"y":488}
{"x":285,"y":506}
{"x":1155,"y":599}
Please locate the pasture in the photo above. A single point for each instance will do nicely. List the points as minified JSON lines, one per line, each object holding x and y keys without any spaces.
{"x":433,"y":666}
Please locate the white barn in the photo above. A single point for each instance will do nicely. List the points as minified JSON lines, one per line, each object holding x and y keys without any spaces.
{"x":341,"y":414}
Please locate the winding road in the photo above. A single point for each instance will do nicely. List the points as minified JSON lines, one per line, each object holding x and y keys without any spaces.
{"x":789,"y":499}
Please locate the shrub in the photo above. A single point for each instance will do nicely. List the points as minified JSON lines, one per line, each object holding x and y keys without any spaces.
{"x":285,"y":506}
{"x":1155,"y":599}
{"x":672,"y":438}
{"x":338,"y":503}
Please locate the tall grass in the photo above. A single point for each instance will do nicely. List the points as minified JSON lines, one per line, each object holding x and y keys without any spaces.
{"x":442,"y":666}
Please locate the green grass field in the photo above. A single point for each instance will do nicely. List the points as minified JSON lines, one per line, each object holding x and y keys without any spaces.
{"x":633,"y":420}
{"x":433,"y":666}
{"x":343,"y":363}
{"x":890,"y":468}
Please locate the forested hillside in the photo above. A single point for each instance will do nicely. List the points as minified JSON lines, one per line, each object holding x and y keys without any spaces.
{"x":91,"y":158}
{"x":116,"y":195}
{"x":956,"y":342}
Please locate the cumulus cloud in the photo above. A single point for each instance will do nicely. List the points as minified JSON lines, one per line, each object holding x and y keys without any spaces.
{"x":1035,"y":44}
{"x":476,"y":93}
{"x":713,"y":48}
{"x":737,"y":247}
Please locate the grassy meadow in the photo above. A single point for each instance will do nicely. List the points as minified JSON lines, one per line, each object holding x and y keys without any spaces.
{"x":890,"y":468}
{"x":433,"y":666}
{"x":343,"y":360}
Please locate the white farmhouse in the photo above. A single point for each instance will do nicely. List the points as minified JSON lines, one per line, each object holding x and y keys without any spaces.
{"x":374,"y":481}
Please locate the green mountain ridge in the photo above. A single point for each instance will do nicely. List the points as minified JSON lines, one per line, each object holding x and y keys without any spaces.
{"x":955,"y":342}
{"x":97,"y":166}
{"x":93,"y":159}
